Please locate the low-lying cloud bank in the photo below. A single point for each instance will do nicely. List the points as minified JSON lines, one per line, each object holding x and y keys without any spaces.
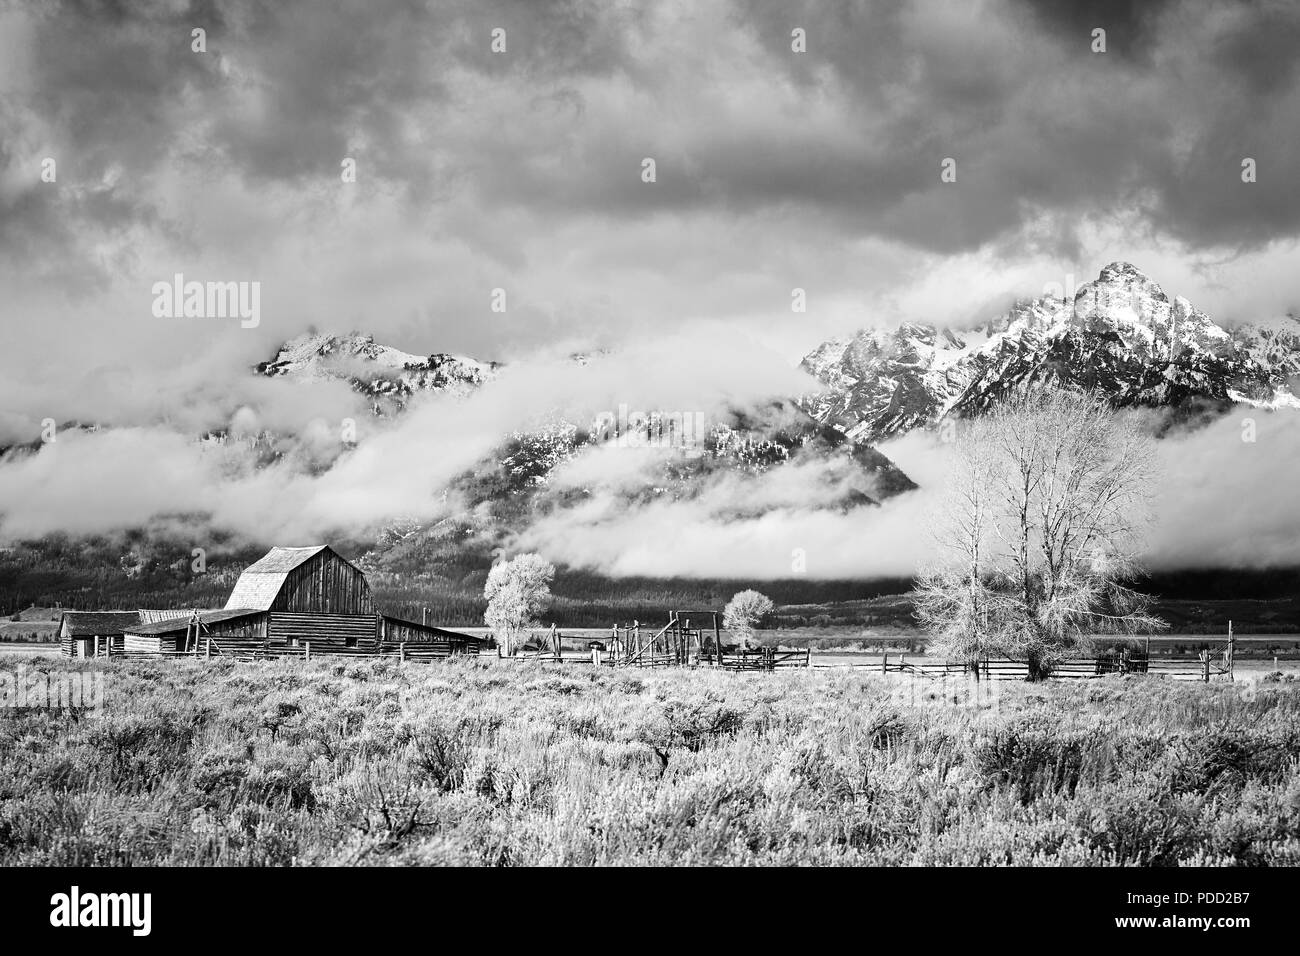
{"x":786,"y":522}
{"x":148,"y":461}
{"x":1224,"y":497}
{"x":1219,"y":502}
{"x":1226,"y":500}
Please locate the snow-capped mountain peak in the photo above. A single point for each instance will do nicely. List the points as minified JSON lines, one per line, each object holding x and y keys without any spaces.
{"x":388,"y":375}
{"x":1120,"y":334}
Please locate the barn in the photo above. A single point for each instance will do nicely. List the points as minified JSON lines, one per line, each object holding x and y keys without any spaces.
{"x":94,"y":633}
{"x":309,"y":600}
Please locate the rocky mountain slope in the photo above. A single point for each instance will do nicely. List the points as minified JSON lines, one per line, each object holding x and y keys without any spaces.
{"x":1120,"y":334}
{"x":515,"y":483}
{"x":751,"y":440}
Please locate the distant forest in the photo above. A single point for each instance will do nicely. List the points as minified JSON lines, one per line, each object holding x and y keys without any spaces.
{"x":90,"y":573}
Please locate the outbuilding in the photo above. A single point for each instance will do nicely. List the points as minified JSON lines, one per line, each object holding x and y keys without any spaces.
{"x":95,"y":633}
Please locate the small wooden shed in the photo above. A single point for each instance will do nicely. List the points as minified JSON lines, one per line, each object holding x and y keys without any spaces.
{"x":94,"y":633}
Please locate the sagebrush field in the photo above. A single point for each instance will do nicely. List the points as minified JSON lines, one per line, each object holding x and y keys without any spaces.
{"x":483,"y":762}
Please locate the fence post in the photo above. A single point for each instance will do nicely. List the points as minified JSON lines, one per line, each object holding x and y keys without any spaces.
{"x":401,"y":653}
{"x":884,"y":663}
{"x":306,"y":650}
{"x":1205,"y":666}
{"x":1232,"y":654}
{"x":207,"y":647}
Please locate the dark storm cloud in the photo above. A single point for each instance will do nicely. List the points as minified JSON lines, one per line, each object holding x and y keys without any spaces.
{"x":283,"y":93}
{"x":1261,"y":50}
{"x":500,"y":152}
{"x":1038,"y":124}
{"x":1131,"y":25}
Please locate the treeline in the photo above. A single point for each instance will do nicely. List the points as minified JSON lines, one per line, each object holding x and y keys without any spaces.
{"x":156,"y":570}
{"x":585,"y":599}
{"x":119,"y":573}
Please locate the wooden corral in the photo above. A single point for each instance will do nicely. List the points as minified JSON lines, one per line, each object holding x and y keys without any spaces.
{"x":689,"y":639}
{"x":676,"y":644}
{"x":679,"y":643}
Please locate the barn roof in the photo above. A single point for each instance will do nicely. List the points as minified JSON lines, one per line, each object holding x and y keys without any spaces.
{"x":178,"y":624}
{"x":280,"y":560}
{"x":150,"y":615}
{"x":261,"y":581}
{"x":96,"y":623}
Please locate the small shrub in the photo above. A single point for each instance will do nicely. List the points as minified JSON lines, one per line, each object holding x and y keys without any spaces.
{"x":1033,"y":759}
{"x":442,"y":753}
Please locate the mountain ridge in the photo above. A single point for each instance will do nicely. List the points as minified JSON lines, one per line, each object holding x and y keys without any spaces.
{"x":1120,"y":334}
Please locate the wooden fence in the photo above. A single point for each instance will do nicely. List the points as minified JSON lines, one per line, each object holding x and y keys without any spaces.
{"x":1205,"y":667}
{"x":246,"y":649}
{"x":767,"y":659}
{"x":762,"y":659}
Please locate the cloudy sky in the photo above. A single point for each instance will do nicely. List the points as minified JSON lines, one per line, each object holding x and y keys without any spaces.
{"x":522,"y":170}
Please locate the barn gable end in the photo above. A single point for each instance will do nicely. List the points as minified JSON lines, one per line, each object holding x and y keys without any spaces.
{"x":313,"y":580}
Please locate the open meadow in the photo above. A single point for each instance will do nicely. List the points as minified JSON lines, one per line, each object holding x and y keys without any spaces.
{"x":29,"y":632}
{"x":469,"y":761}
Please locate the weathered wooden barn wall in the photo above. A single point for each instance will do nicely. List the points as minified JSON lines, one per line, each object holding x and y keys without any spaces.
{"x":150,"y":645}
{"x":226,"y":634}
{"x":434,"y":639}
{"x":252,"y":626}
{"x":111,"y":645}
{"x":235,"y":634}
{"x":325,"y":584}
{"x":324,"y":630}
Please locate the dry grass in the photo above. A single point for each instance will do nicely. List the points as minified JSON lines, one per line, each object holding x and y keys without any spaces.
{"x":479,"y":762}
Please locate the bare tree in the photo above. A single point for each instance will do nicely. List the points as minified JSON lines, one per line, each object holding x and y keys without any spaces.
{"x":517,"y":591}
{"x":744,"y":613}
{"x":1049,"y":494}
